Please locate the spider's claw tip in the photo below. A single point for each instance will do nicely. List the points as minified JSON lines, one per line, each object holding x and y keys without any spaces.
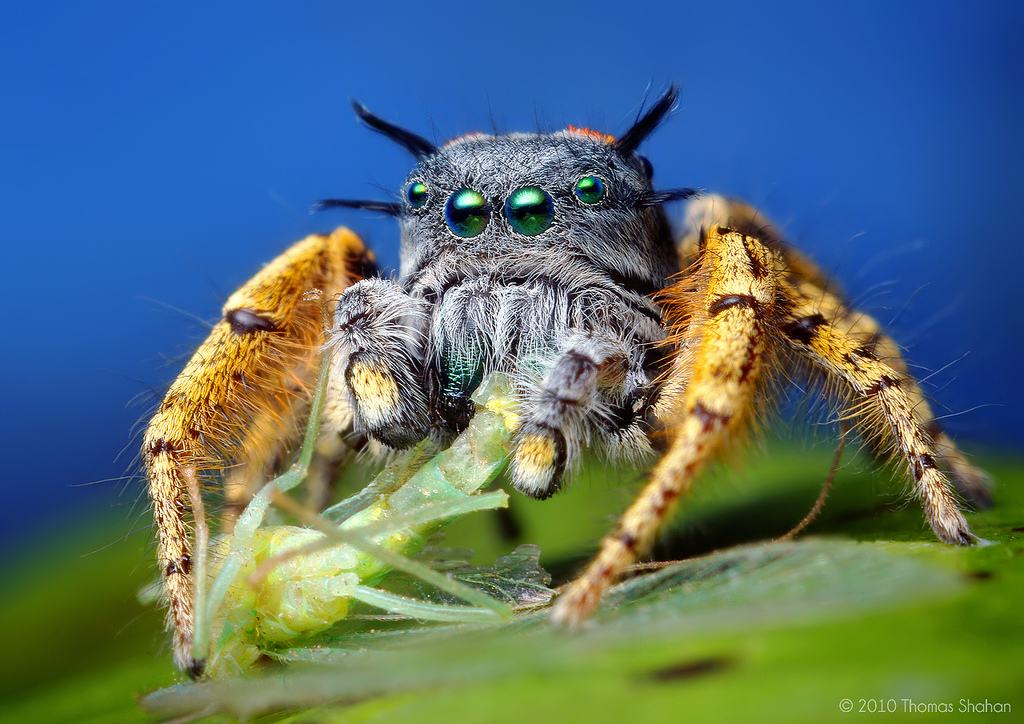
{"x":196,"y":667}
{"x":572,"y":609}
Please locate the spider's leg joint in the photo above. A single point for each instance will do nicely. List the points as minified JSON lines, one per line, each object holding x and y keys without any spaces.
{"x":247,"y":321}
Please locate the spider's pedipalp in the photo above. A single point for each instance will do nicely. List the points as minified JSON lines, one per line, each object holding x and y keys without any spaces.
{"x":243,"y":388}
{"x":379,"y":332}
{"x":556,"y":417}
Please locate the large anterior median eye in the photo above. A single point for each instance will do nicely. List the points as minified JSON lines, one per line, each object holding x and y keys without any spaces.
{"x":416,"y":194}
{"x":529,"y":210}
{"x":467,"y":213}
{"x":590,"y":189}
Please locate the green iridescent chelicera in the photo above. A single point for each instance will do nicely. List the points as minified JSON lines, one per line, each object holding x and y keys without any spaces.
{"x":590,"y":189}
{"x":467,"y":213}
{"x":529,"y":210}
{"x":416,"y":194}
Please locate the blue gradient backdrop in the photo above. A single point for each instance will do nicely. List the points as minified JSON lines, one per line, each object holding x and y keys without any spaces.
{"x":154,"y":155}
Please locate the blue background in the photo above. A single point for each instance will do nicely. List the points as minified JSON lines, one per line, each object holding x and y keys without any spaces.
{"x":154,"y":155}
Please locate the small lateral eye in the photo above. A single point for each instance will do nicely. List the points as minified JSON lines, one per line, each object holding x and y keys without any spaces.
{"x":467,"y":213}
{"x":590,"y":189}
{"x":416,"y":194}
{"x":529,"y":210}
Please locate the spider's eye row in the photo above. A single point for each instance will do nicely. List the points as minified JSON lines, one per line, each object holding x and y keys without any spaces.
{"x":590,"y":190}
{"x":416,"y":194}
{"x":529,"y":210}
{"x":467,"y":213}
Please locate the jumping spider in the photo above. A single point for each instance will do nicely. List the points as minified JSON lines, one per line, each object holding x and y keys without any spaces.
{"x":548,"y":257}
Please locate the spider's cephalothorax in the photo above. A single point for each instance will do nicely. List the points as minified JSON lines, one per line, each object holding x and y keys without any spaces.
{"x":531,"y":254}
{"x":546,"y":256}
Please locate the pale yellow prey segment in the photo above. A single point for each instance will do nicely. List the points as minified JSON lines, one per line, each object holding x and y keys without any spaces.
{"x":310,"y":592}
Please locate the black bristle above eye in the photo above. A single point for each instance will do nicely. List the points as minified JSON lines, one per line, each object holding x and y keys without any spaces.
{"x":385,"y":207}
{"x":413,"y":143}
{"x":656,"y":198}
{"x":629,"y":141}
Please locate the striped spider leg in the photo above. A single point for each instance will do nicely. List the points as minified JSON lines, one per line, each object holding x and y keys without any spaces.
{"x":746,"y":304}
{"x":239,"y":399}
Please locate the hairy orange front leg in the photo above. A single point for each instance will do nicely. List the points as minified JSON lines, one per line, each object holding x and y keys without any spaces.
{"x":256,"y":367}
{"x":719,"y":319}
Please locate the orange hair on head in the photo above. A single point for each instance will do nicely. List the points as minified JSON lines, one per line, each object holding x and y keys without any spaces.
{"x":590,"y":133}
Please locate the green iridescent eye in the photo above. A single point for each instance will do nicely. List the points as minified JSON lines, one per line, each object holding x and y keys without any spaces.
{"x":416,"y":194}
{"x":590,"y":189}
{"x":467,"y":213}
{"x":529,"y":210}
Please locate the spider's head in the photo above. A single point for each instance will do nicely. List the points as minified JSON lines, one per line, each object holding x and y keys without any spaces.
{"x":575,"y":191}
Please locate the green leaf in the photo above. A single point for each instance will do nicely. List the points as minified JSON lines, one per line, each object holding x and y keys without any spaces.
{"x":868,"y":607}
